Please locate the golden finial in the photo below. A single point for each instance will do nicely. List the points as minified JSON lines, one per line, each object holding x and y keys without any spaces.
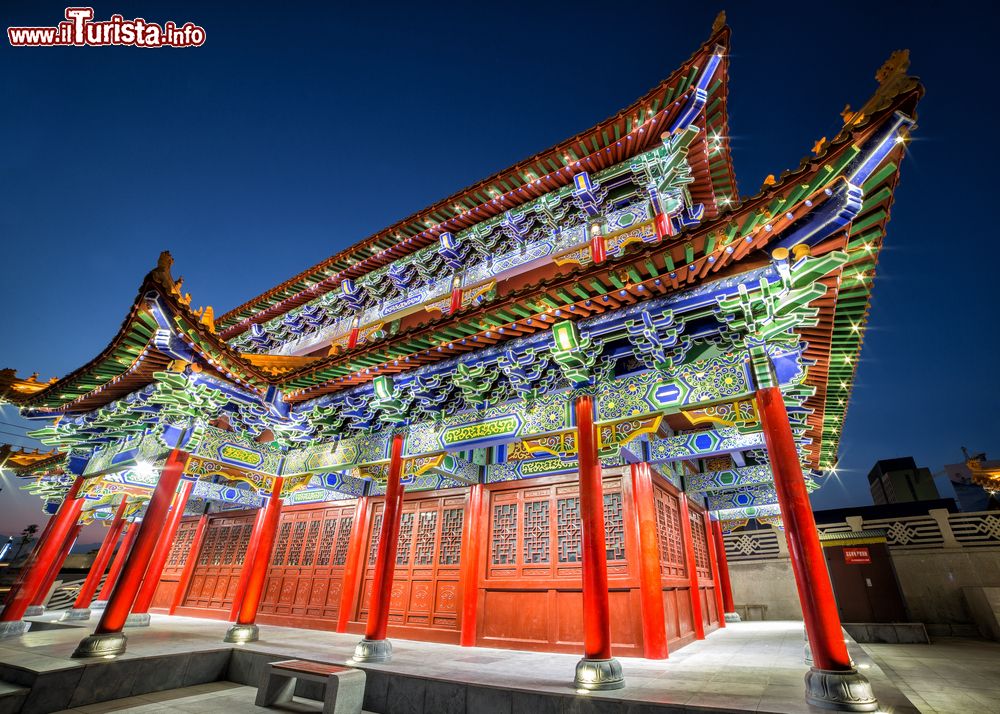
{"x":208,"y":318}
{"x":819,"y":146}
{"x":769,"y":181}
{"x":720,"y":21}
{"x":186,"y":300}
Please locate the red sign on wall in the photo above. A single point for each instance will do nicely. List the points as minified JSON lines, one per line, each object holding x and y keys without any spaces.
{"x":857,"y":556}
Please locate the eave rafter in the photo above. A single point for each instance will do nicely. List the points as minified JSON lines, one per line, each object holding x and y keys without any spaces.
{"x":612,"y":141}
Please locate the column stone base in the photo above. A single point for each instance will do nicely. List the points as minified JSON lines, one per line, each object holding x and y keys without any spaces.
{"x":14,"y":628}
{"x":110,"y":644}
{"x":598,"y":674}
{"x":239,"y":634}
{"x":137,"y":619}
{"x":82,"y":613}
{"x":34,"y":611}
{"x":98,"y":604}
{"x":373,"y":651}
{"x":846,"y":691}
{"x":733,"y":617}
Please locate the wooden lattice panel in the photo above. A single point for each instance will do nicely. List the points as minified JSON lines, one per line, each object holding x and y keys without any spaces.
{"x":536,"y":531}
{"x":531,"y":589}
{"x":668,"y":534}
{"x":428,"y":558}
{"x":220,"y":561}
{"x":305,"y":580}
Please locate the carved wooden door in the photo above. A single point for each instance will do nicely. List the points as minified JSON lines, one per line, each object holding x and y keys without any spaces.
{"x":172,"y":569}
{"x":531,"y":593}
{"x":305,"y":580}
{"x":217,"y":572}
{"x":425,"y":583}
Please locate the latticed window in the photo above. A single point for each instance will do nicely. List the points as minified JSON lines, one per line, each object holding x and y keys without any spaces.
{"x":376,"y":535}
{"x":614,"y":526}
{"x":504,"y":542}
{"x":298,"y":536}
{"x":450,"y":550}
{"x":312,"y":538}
{"x":343,"y":540}
{"x":668,"y":533}
{"x":426,"y":531}
{"x":326,"y":542}
{"x":230,"y":542}
{"x":182,"y":544}
{"x":405,"y":539}
{"x":279,"y":550}
{"x":246,"y":531}
{"x":536,"y":532}
{"x":568,"y":530}
{"x":700,"y":543}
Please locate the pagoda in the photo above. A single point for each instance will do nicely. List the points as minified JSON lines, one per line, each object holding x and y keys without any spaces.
{"x":523,"y":417}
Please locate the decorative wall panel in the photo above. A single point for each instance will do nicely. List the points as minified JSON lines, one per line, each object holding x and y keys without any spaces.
{"x":220,"y":561}
{"x":424,"y":601}
{"x":305,"y":581}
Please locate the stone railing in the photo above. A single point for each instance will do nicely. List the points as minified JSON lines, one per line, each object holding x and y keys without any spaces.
{"x":938,"y":529}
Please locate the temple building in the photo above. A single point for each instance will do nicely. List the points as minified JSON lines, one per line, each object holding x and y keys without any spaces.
{"x":520,"y":418}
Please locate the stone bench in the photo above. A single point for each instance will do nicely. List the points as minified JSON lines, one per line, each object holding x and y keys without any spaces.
{"x":344,"y":690}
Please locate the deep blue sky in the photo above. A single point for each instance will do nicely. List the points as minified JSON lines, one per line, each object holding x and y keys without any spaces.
{"x":291,"y":134}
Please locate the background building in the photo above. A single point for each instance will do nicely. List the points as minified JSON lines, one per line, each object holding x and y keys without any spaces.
{"x":900,"y":480}
{"x":970,"y":495}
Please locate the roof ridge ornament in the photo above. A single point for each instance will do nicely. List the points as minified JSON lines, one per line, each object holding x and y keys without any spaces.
{"x":161,"y":273}
{"x":892,"y":79}
{"x":719,"y":22}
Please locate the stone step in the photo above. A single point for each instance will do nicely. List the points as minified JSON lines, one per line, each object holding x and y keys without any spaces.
{"x":894,"y":633}
{"x":12,"y":697}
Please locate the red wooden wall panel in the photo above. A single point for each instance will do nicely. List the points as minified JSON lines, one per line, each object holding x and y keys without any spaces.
{"x":217,"y":572}
{"x":673,"y":567}
{"x":305,"y":580}
{"x":425,"y":584}
{"x":530,"y":592}
{"x":172,"y":569}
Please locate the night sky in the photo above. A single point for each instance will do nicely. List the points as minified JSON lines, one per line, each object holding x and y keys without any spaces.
{"x":288,"y":137}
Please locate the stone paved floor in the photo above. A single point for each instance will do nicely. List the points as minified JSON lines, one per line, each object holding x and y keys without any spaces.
{"x":753,"y":666}
{"x":951,"y":676}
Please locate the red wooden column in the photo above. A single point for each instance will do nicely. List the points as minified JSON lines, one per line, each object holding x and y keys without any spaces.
{"x":124,"y":548}
{"x":189,"y":564}
{"x":352,"y":566}
{"x":245,"y":629}
{"x":48,"y":550}
{"x":697,"y":616}
{"x":139,"y":617}
{"x":832,"y":682}
{"x":248,"y":558}
{"x":374,"y":647}
{"x":81,"y":608}
{"x":654,"y":625}
{"x":108,"y":640}
{"x":598,"y":669}
{"x":469,"y":574}
{"x":725,"y":584}
{"x":714,"y":562}
{"x":42,"y":594}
